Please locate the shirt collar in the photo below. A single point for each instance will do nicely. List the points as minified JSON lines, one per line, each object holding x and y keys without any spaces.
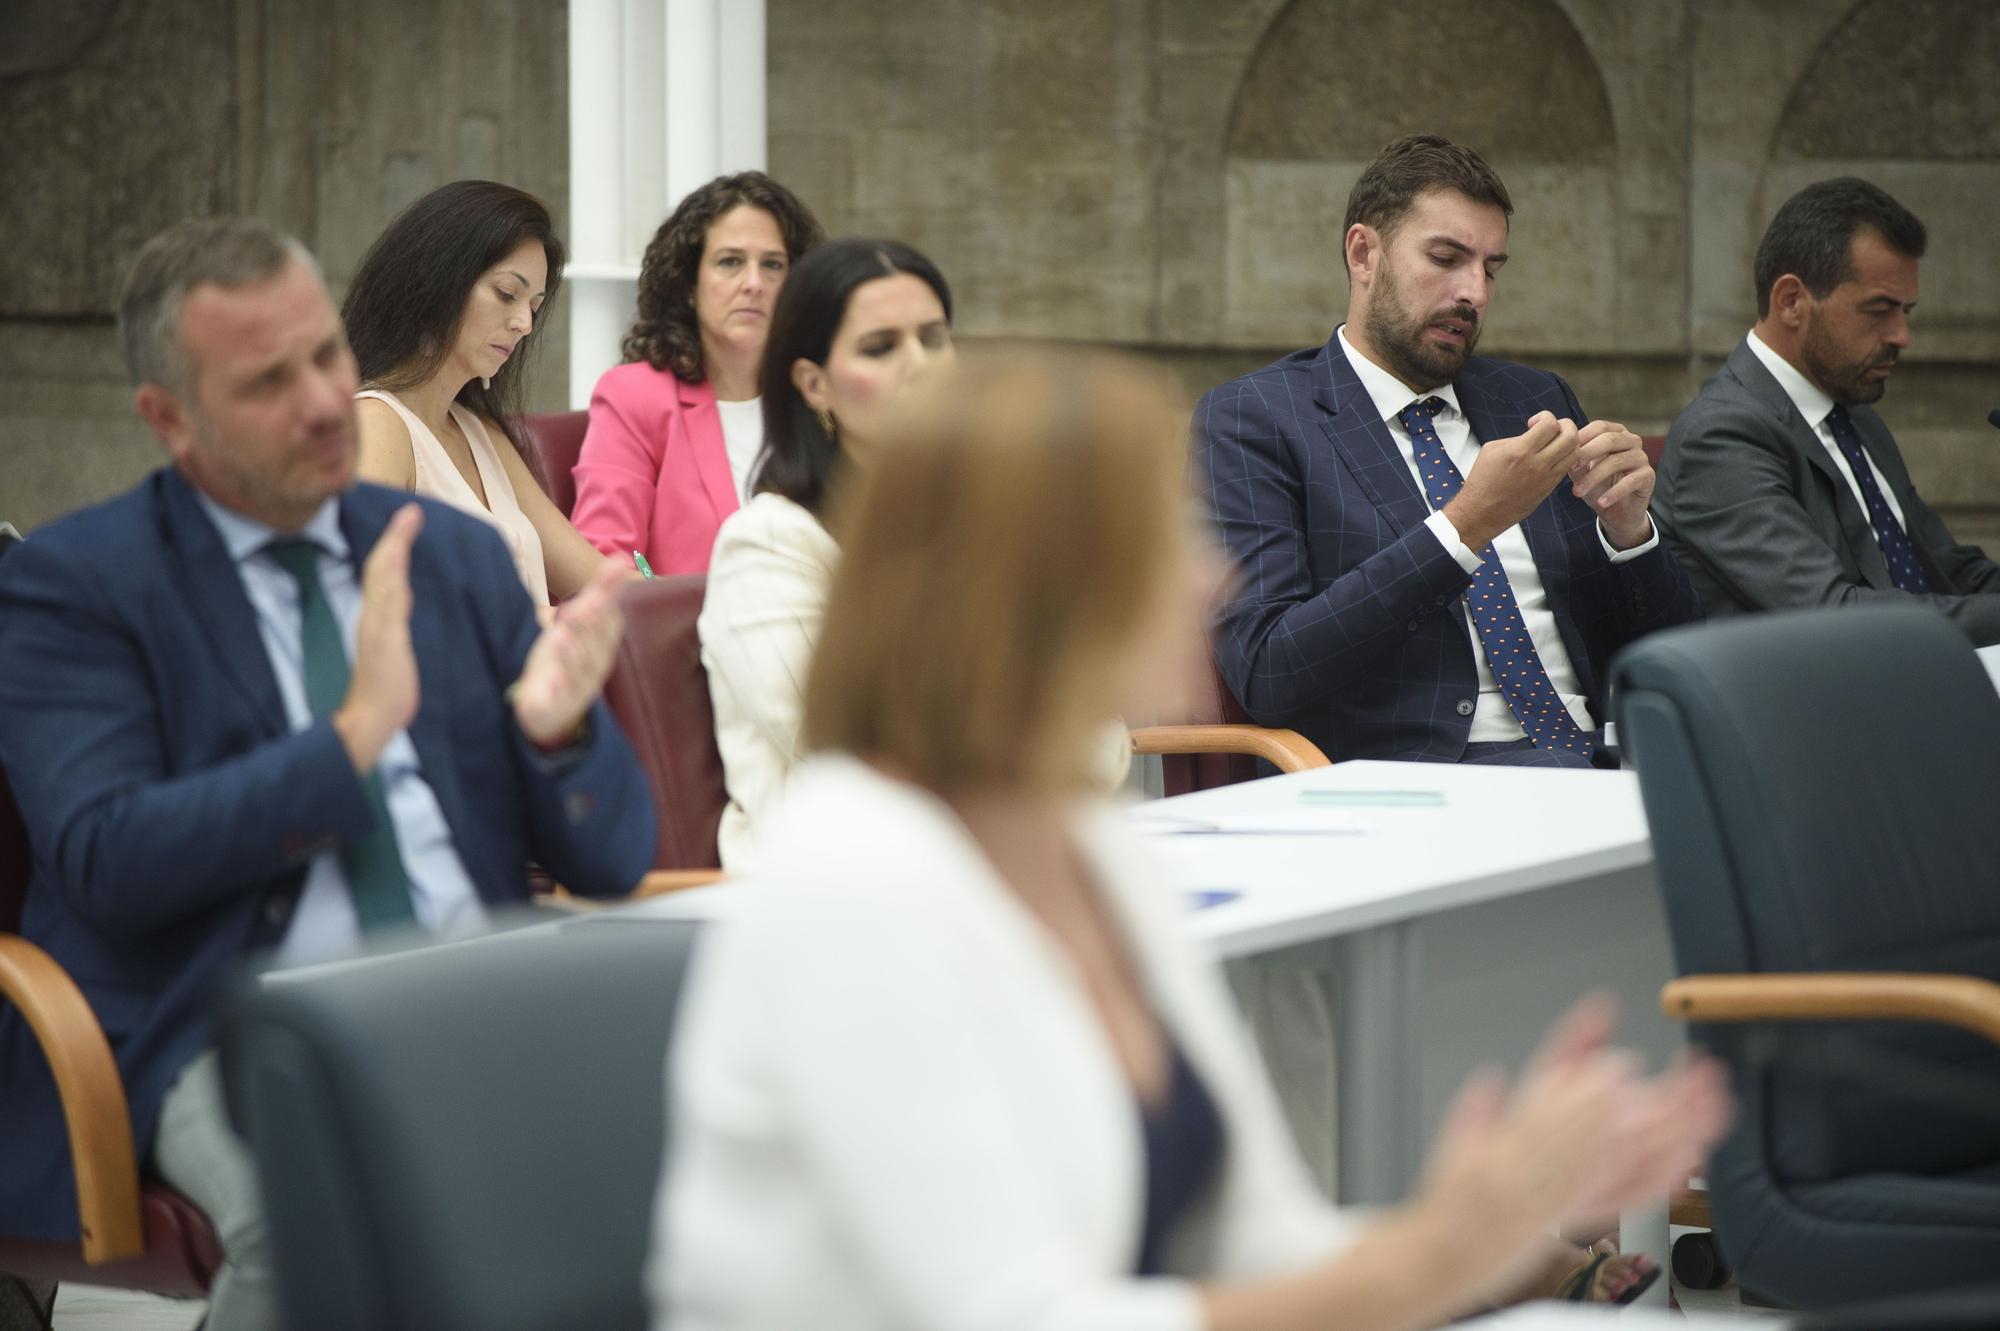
{"x":244,"y":536}
{"x":1807,"y":396}
{"x":1389,"y":394}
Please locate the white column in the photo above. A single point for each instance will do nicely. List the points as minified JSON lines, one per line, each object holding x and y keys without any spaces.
{"x":664,"y":95}
{"x":739,"y":96}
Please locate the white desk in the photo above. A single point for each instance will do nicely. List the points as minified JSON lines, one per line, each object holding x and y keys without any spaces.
{"x":1570,"y":1317}
{"x":1990,"y":658}
{"x":1499,"y":831}
{"x":1445,"y":936}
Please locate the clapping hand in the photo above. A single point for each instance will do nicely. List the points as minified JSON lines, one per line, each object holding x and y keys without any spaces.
{"x":566,"y":668}
{"x":1580,"y":1136}
{"x":382,"y":688}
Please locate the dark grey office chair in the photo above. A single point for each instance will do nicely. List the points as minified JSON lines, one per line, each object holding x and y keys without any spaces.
{"x":466,"y":1138}
{"x":1824,"y":795}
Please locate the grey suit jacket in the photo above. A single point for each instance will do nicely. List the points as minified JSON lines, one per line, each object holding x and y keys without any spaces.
{"x":1759,"y":517}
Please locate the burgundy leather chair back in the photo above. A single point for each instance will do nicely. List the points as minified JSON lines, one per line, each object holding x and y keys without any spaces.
{"x":554,"y":439}
{"x":1654,"y":444}
{"x":1184,"y":772}
{"x":15,"y":865}
{"x":659,"y":693}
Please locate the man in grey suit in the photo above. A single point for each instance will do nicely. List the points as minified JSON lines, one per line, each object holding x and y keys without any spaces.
{"x":1780,"y":487}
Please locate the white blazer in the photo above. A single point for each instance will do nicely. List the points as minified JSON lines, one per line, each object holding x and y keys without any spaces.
{"x":760,"y":620}
{"x":892,"y":1104}
{"x":766,"y":598}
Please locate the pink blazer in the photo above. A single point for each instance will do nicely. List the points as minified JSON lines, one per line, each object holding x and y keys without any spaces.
{"x":653,"y":474}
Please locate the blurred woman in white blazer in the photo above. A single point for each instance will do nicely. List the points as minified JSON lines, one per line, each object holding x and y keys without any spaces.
{"x":953,"y":1064}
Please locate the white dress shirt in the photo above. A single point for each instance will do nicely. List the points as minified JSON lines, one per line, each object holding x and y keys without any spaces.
{"x":1816,"y":406}
{"x":1492,"y":720}
{"x":324,"y":924}
{"x":742,"y":439}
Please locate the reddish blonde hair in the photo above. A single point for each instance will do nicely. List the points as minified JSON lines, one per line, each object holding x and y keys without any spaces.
{"x":1018,"y":525}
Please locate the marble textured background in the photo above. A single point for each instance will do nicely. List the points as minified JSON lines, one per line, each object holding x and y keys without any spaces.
{"x":1165,"y":176}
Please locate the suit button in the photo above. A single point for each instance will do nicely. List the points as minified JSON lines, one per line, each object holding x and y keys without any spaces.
{"x":1443,"y":599}
{"x":1465,"y":707}
{"x":277,"y":910}
{"x":1411,"y":626}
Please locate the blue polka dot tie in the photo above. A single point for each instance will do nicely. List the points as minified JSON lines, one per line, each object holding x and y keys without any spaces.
{"x":1904,"y":570}
{"x":1510,"y":652}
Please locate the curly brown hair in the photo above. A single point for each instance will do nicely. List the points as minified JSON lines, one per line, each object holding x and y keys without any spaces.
{"x":665,"y":335}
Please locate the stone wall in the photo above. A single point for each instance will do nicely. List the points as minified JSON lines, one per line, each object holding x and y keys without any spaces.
{"x":1161,"y":175}
{"x":1169,"y":175}
{"x":324,"y":116}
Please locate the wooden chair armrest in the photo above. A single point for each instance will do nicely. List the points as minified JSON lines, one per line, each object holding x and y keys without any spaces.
{"x":1287,"y":750}
{"x":661,"y":881}
{"x":93,"y":1098}
{"x":1953,"y":1000}
{"x":1689,"y":1206}
{"x":655,"y":883}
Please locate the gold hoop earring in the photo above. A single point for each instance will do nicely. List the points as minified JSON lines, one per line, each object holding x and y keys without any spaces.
{"x":826,"y":423}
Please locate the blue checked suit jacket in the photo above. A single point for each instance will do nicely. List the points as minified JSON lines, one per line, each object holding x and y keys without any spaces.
{"x":1346,"y":624}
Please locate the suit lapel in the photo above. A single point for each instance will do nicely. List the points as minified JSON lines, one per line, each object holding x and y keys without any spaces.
{"x":711,"y":452}
{"x":213,"y":590}
{"x":1363,"y":440}
{"x":1855,"y":528}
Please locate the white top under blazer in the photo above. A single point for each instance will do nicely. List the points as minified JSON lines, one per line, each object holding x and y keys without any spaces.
{"x":892,"y":1104}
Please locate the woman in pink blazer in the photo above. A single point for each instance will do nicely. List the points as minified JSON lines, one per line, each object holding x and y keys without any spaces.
{"x":675,"y":431}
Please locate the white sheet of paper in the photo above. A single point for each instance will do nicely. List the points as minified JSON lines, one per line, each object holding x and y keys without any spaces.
{"x":1296,"y":822}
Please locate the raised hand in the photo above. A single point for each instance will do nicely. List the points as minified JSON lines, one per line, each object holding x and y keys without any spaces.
{"x":567,"y":666}
{"x":1611,"y":474}
{"x":382,"y":686}
{"x":1511,"y":478}
{"x":1582,"y":1135}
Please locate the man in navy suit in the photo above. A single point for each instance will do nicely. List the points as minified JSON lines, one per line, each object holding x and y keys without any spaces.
{"x":254,"y":709}
{"x":1438,"y":552}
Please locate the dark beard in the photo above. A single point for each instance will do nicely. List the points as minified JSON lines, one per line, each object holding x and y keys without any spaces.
{"x":1398,"y":337}
{"x":1846,"y":382}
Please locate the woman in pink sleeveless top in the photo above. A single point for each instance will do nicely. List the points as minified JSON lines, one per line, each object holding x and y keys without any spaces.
{"x":675,"y":432}
{"x":439,"y":316}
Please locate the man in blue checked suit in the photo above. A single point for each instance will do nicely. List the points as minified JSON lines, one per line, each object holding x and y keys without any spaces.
{"x":1438,"y":553}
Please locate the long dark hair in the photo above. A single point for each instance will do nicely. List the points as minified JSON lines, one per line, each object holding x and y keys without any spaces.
{"x":666,"y":335}
{"x":404,"y":306}
{"x":799,"y":459}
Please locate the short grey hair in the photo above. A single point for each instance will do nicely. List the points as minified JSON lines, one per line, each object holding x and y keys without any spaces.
{"x":228,"y":251}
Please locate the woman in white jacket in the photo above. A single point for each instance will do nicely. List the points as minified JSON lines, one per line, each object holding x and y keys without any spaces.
{"x":856,"y":321}
{"x":953,"y":1065}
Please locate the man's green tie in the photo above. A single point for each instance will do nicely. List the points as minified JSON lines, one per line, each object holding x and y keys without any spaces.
{"x":371,"y":862}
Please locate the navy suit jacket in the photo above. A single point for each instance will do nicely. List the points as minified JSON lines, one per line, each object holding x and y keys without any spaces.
{"x":1346,"y":624}
{"x":171,"y":810}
